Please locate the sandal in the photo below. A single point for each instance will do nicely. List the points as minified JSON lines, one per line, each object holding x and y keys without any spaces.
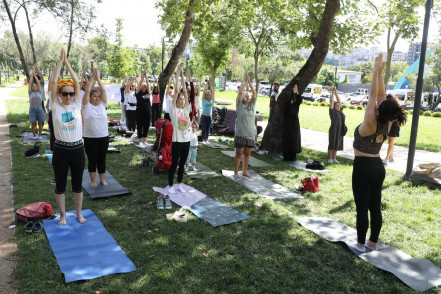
{"x":38,"y":227}
{"x":28,"y":227}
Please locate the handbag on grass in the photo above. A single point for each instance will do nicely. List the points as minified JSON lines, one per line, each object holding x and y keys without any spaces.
{"x":311,"y":184}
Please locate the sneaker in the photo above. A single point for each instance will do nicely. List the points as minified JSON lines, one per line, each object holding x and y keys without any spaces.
{"x":385,"y":162}
{"x":160,"y":204}
{"x":186,"y":169}
{"x":194,"y":168}
{"x":330,"y":161}
{"x":391,"y":160}
{"x":370,"y":248}
{"x":354,"y":246}
{"x":38,"y":227}
{"x":204,"y":142}
{"x":171,"y":190}
{"x":336,"y":161}
{"x":207,"y":143}
{"x":180,"y":188}
{"x":52,"y":181}
{"x":167,"y":202}
{"x":28,"y":227}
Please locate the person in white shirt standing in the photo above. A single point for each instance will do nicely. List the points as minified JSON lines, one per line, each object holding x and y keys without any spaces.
{"x":68,"y":129}
{"x":96,"y":132}
{"x":180,"y":118}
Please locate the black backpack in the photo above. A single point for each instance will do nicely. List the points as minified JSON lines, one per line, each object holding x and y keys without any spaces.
{"x":34,"y":151}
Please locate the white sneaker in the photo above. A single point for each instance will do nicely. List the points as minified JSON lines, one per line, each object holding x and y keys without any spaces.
{"x":330,"y":161}
{"x":355,"y":246}
{"x":385,"y":162}
{"x":207,"y":143}
{"x":171,"y":190}
{"x":180,"y":188}
{"x":194,"y":167}
{"x":335,"y":161}
{"x":186,"y":169}
{"x":203,"y":142}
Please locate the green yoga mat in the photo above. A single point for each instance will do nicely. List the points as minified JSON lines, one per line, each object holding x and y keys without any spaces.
{"x":112,"y":149}
{"x":202,"y":172}
{"x":261,"y":186}
{"x":300,"y":165}
{"x":253,"y":161}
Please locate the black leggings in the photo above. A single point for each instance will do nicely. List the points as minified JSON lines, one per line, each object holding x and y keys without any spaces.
{"x":68,"y":156}
{"x":51,"y":130}
{"x":179,"y":155}
{"x":155,"y":112}
{"x":131,"y":120}
{"x":367,"y":181}
{"x":96,"y":150}
{"x":143,"y":122}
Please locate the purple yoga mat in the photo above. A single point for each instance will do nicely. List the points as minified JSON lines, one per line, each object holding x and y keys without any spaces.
{"x":188,"y":198}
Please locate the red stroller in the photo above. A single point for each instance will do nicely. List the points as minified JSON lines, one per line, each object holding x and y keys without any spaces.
{"x":162,"y":146}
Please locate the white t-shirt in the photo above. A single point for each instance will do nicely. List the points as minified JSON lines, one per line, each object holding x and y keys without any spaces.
{"x":95,"y":120}
{"x":68,"y":124}
{"x":168,"y":103}
{"x":130,"y":98}
{"x":194,"y":139}
{"x":180,"y":118}
{"x":49,"y":104}
{"x":197,"y":103}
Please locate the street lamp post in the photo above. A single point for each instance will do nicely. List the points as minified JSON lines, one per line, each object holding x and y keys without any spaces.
{"x":419,"y":88}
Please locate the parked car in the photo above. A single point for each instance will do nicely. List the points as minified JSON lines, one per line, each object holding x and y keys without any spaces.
{"x":361,"y":100}
{"x":312,"y":92}
{"x":265,"y":90}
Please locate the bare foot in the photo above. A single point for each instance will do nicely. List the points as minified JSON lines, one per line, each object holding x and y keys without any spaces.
{"x":93,"y":184}
{"x":81,"y":219}
{"x":236,"y":175}
{"x":244,"y":173}
{"x":104,"y":183}
{"x":62,"y":221}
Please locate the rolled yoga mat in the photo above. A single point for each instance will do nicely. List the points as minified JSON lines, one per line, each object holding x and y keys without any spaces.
{"x":261,"y":186}
{"x":300,"y":165}
{"x":49,"y":155}
{"x":85,"y":251}
{"x":113,"y":189}
{"x":202,"y":172}
{"x":253,"y":161}
{"x":418,"y":274}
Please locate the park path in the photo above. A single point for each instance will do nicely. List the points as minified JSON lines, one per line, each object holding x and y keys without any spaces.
{"x":317,"y":140}
{"x":8,"y":247}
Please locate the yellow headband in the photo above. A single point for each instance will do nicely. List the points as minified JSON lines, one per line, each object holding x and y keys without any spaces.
{"x":64,"y":82}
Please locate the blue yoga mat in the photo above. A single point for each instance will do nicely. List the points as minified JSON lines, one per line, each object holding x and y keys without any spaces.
{"x":48,"y":155}
{"x":216,"y":213}
{"x":85,"y":251}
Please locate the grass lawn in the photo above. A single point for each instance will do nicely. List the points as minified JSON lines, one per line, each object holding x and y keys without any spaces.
{"x":317,"y":118}
{"x":269,"y":253}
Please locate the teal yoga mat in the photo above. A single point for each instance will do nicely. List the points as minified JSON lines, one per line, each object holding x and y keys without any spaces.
{"x":48,"y":155}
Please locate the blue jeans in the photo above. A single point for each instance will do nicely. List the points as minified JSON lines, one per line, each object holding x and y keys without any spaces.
{"x":36,"y":114}
{"x":205,"y":125}
{"x":192,"y":155}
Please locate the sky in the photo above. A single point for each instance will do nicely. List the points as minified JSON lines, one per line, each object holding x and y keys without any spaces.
{"x":141,"y":27}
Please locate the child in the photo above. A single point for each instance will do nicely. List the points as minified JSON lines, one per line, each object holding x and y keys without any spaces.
{"x":193,"y":145}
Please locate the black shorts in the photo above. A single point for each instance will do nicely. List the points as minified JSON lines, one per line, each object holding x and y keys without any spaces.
{"x":394,"y":130}
{"x":241,"y":142}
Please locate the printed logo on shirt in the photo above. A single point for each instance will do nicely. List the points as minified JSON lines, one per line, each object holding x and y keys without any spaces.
{"x":68,"y":121}
{"x":182,"y":121}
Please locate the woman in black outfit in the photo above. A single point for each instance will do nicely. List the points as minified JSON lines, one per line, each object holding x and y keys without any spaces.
{"x":291,"y":132}
{"x":336,"y":129}
{"x":368,"y":172}
{"x":143,"y":109}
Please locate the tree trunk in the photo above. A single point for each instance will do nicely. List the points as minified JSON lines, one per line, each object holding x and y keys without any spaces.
{"x":17,"y":41}
{"x":69,"y":43}
{"x":256,"y":65}
{"x":165,"y":75}
{"x":273,"y":136}
{"x":31,"y":38}
{"x":390,"y":51}
{"x":213,"y":79}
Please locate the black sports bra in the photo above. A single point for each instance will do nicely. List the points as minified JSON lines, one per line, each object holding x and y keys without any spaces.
{"x":368,"y":144}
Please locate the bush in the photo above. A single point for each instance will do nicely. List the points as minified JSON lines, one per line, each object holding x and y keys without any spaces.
{"x":421,"y":112}
{"x":344,"y":106}
{"x":308,"y":102}
{"x":352,"y":107}
{"x":322,"y":104}
{"x":360,"y":107}
{"x":410,"y":111}
{"x":428,"y":113}
{"x":436,"y":114}
{"x":315,"y":104}
{"x":327,"y":104}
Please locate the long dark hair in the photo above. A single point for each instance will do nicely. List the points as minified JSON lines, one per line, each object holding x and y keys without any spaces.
{"x":155,"y":90}
{"x":390,"y":109}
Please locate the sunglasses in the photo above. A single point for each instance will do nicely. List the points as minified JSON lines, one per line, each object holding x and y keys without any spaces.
{"x":65,"y":94}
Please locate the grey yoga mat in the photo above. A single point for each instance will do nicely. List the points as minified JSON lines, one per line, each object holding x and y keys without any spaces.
{"x":215,"y":145}
{"x":145,"y":148}
{"x":300,"y":165}
{"x":418,"y":274}
{"x":202,"y":172}
{"x":112,"y":149}
{"x":253,"y":161}
{"x":113,"y":189}
{"x":28,"y":138}
{"x":261,"y":186}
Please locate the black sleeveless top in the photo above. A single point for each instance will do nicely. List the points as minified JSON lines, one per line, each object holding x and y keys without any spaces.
{"x":368,"y":144}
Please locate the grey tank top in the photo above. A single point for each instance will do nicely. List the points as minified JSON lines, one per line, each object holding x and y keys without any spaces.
{"x":35,"y":99}
{"x":368,"y":144}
